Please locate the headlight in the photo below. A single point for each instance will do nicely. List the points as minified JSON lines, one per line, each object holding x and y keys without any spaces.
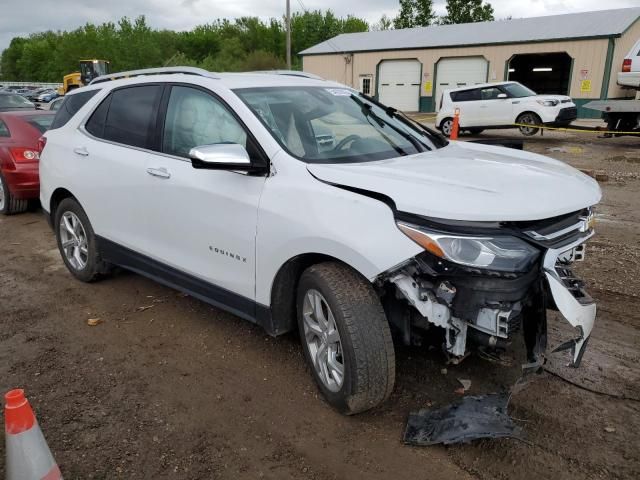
{"x":548,"y":103}
{"x":503,"y":253}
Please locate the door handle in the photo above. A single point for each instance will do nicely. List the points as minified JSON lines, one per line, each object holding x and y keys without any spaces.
{"x":81,"y":151}
{"x":159,"y":172}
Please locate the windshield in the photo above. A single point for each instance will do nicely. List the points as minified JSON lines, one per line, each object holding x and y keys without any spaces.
{"x":330,"y":125}
{"x":518,"y":90}
{"x":14,"y":101}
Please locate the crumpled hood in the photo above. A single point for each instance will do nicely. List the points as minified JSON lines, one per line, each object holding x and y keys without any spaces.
{"x":466,"y":181}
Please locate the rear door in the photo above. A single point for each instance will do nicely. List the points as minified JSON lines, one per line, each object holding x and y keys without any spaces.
{"x":468,"y":102}
{"x":114,"y":151}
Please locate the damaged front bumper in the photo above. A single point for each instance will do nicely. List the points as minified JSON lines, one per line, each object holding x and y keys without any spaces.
{"x":487,"y":308}
{"x":570,"y":298}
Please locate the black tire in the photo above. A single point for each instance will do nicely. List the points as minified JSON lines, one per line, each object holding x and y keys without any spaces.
{"x":475,"y":131}
{"x":10,"y":204}
{"x":529,"y":118}
{"x":94,"y":267}
{"x":366,"y":345}
{"x":446,"y":126}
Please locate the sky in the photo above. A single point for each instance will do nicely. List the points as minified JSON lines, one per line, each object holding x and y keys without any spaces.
{"x":22,"y":17}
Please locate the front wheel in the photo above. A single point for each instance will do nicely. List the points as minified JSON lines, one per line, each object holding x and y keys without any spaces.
{"x":526,"y":119}
{"x":345,"y":337}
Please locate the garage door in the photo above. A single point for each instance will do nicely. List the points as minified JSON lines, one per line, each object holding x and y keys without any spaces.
{"x":459,"y":72}
{"x":399,"y":84}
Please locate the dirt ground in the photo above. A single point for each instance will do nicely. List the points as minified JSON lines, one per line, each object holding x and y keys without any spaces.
{"x":169,"y":387}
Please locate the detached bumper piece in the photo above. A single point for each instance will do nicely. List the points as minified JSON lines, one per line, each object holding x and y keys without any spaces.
{"x":483,"y":416}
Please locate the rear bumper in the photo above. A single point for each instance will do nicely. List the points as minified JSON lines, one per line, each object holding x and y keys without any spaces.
{"x":23,"y":182}
{"x":629,"y":79}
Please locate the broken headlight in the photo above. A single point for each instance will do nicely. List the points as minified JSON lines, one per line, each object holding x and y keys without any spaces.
{"x":503,"y":253}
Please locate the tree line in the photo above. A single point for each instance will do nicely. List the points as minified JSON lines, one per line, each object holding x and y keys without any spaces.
{"x":246,"y":43}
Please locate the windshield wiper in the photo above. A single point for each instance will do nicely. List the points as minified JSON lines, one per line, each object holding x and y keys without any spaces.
{"x":407,"y":120}
{"x":368,"y":112}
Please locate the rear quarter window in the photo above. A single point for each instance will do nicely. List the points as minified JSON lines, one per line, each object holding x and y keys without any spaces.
{"x":41,"y":122}
{"x":70,"y":106}
{"x":4,"y":130}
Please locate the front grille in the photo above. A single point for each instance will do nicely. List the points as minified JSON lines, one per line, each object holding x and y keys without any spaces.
{"x":568,"y":113}
{"x":558,"y":230}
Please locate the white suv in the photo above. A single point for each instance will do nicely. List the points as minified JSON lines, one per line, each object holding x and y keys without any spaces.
{"x":220,"y":185}
{"x":501,"y":105}
{"x":630,"y":74}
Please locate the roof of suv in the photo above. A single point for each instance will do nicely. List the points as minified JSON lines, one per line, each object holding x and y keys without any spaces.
{"x":479,"y":85}
{"x":232,"y":81}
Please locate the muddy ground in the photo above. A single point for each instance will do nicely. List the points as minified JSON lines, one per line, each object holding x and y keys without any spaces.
{"x":182,"y":390}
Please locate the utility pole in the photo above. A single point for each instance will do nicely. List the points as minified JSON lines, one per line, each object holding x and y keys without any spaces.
{"x":288,"y":22}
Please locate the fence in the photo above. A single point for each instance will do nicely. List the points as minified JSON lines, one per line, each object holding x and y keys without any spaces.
{"x":6,"y":83}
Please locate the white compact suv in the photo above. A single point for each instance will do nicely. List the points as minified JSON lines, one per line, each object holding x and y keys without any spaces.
{"x":630,"y":74}
{"x":298,"y":203}
{"x":501,"y":105}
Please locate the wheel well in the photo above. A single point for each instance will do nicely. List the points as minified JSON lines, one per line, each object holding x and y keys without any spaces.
{"x":528,"y":111}
{"x":58,"y":195}
{"x":285,"y":288}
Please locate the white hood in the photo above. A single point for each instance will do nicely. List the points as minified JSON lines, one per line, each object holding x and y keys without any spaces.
{"x":560,"y":98}
{"x":465,"y":181}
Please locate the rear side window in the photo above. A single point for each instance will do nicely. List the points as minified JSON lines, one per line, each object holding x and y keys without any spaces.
{"x":465,"y":95}
{"x":70,"y":106}
{"x":4,"y":130}
{"x":127,"y":116}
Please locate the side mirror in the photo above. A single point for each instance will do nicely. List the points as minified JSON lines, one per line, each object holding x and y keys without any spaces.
{"x":502,"y":95}
{"x":220,"y":156}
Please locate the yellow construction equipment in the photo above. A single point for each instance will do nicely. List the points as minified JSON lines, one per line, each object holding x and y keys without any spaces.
{"x":89,"y":69}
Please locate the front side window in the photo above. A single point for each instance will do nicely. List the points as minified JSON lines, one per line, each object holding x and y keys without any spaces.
{"x":517,"y":90}
{"x":195,"y":118}
{"x":490,"y":93}
{"x":127,"y":115}
{"x":329,"y":125}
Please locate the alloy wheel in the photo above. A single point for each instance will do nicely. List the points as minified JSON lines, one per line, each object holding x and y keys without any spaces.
{"x":73,"y":240}
{"x":447,"y":126}
{"x":3,"y":198}
{"x":323,"y":340}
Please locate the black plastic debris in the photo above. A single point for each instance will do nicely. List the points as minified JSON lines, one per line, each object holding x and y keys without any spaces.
{"x":482,"y":416}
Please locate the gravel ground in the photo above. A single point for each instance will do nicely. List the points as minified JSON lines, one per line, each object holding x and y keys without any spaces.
{"x":169,"y":387}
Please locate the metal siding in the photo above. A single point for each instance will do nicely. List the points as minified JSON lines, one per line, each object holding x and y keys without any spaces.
{"x":587,"y":55}
{"x":622,"y":47}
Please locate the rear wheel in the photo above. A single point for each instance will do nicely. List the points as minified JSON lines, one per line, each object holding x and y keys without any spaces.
{"x":77,"y":242}
{"x":345,"y":337}
{"x":8,"y":203}
{"x":446,"y":127}
{"x":528,"y":118}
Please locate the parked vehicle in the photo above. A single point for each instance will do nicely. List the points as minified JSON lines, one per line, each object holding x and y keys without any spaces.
{"x":33,"y":94}
{"x":25,"y":92}
{"x":629,"y":76}
{"x":47,"y":95}
{"x":19,"y":154}
{"x":13,"y":101}
{"x":220,"y":186}
{"x":55,"y":103}
{"x":501,"y":105}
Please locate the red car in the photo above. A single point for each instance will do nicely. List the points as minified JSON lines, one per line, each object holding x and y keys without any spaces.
{"x":19,"y":157}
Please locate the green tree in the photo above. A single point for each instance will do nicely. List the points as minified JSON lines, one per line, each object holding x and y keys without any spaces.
{"x":467,"y":11}
{"x":415,"y":13}
{"x":385,"y":23}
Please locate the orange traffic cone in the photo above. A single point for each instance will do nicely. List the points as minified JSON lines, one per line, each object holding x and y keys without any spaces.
{"x":456,"y":125}
{"x":28,"y":455}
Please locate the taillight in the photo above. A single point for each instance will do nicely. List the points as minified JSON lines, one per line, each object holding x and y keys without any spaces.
{"x":22,"y":154}
{"x":42,"y":141}
{"x":626,"y":65}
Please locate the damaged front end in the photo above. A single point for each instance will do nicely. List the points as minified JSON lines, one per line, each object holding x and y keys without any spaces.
{"x":484,"y":283}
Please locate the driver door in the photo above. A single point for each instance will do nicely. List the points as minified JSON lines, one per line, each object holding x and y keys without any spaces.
{"x":203,"y":222}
